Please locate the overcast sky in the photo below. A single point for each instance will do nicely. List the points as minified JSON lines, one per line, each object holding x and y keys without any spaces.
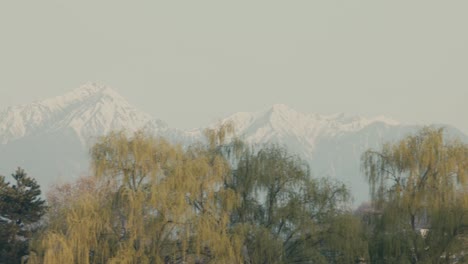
{"x":192,"y":62}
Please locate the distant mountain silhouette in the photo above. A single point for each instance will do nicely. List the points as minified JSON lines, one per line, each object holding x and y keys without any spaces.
{"x":50,"y":138}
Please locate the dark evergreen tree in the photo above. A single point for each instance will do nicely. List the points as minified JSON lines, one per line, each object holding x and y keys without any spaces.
{"x":21,"y":209}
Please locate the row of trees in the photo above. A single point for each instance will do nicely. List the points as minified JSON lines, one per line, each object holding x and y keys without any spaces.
{"x":150,"y":201}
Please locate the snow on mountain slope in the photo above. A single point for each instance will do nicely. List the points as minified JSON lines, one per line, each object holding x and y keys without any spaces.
{"x":286,"y":126}
{"x":331,"y":144}
{"x":89,"y":110}
{"x":50,"y":138}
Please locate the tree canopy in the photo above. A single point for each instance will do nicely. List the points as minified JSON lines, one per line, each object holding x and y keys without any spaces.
{"x":418,"y":188}
{"x":289,"y":216}
{"x":150,"y":201}
{"x":225,"y":201}
{"x":21,"y":208}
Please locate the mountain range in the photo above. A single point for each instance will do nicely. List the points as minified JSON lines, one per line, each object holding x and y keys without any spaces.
{"x":50,"y":138}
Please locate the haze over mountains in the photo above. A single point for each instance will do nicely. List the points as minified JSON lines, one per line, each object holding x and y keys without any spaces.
{"x":50,"y":138}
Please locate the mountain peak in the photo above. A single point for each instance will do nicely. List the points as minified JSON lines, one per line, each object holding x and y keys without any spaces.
{"x":282,"y":111}
{"x":90,"y":110}
{"x":280,"y":107}
{"x":94,"y":89}
{"x":91,"y":87}
{"x":90,"y":92}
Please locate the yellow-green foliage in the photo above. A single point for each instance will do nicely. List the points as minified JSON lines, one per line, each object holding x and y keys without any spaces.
{"x":418,"y":183}
{"x":150,"y":201}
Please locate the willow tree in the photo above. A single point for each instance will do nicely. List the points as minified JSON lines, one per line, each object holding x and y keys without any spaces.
{"x":153,"y":202}
{"x":418,"y":189}
{"x":80,"y":226}
{"x":150,"y":201}
{"x":286,"y":216}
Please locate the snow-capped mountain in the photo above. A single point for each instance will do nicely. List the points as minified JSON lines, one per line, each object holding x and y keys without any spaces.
{"x":50,"y":138}
{"x":89,"y":110}
{"x":331,"y":144}
{"x":284,"y":125}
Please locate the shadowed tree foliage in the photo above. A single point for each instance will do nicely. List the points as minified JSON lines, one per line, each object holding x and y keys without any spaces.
{"x":418,"y":188}
{"x":150,"y":201}
{"x":21,"y":208}
{"x":288,"y":217}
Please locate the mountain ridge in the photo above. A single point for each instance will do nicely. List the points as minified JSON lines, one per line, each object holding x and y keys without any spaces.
{"x":50,"y":137}
{"x":89,"y":110}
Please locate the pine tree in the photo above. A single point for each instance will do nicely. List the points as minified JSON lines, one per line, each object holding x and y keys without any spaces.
{"x":21,"y":208}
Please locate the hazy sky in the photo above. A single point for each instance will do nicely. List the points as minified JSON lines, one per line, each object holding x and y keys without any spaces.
{"x":191,"y":62}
